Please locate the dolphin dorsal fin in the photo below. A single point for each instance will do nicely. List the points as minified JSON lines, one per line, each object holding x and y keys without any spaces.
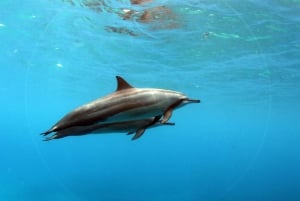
{"x":122,"y":84}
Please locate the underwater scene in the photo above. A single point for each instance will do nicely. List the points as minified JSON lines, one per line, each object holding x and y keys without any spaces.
{"x":150,"y":100}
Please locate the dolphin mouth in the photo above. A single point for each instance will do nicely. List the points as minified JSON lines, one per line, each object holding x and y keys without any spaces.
{"x":192,"y":100}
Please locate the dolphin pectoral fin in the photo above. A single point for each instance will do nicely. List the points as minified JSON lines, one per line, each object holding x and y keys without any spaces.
{"x":138,"y":133}
{"x":129,"y":133}
{"x":167,"y":115}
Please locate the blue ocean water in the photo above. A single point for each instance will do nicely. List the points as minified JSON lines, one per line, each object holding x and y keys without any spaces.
{"x":241,"y":142}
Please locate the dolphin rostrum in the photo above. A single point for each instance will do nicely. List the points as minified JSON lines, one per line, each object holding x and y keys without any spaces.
{"x":136,"y":127}
{"x":125,"y":104}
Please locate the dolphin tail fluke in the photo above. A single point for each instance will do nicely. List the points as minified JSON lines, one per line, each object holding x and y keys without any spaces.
{"x":50,"y":138}
{"x":46,"y":133}
{"x":53,"y":129}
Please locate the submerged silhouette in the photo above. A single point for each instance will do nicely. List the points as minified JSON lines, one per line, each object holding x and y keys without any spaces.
{"x":158,"y":16}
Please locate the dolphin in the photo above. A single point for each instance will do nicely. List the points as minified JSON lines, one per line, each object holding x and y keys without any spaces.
{"x":136,"y":127}
{"x":125,"y":104}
